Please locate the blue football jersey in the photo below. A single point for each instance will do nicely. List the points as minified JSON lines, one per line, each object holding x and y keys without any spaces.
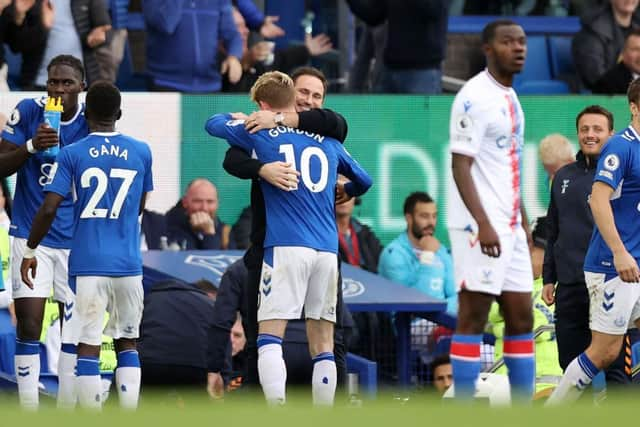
{"x":305,"y":216}
{"x":618,"y":167}
{"x":108,"y":174}
{"x":34,"y":173}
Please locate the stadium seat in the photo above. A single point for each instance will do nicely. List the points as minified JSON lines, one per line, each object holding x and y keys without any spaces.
{"x":542,"y":87}
{"x":367,"y":373}
{"x":537,"y":66}
{"x":561,"y":59}
{"x":14,"y":61}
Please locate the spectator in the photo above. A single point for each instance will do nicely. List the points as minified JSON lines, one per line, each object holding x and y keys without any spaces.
{"x":442,"y":373}
{"x":265,"y":25}
{"x":110,"y":54}
{"x":240,"y":235}
{"x":182,"y":45}
{"x":79,"y":28}
{"x":416,"y":41}
{"x":24,"y":27}
{"x":616,"y":80}
{"x":193,"y":222}
{"x":173,"y":333}
{"x":359,"y":246}
{"x":598,"y":44}
{"x":555,"y":151}
{"x":261,"y":57}
{"x":367,"y":66}
{"x":416,"y":258}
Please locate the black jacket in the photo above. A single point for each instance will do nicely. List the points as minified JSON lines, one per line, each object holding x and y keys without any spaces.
{"x":175,"y":324}
{"x":369,"y":245}
{"x":154,"y":226}
{"x":179,"y":231}
{"x":569,"y":223}
{"x":596,"y":47}
{"x":29,"y":39}
{"x":615,"y":81}
{"x":417,"y":30}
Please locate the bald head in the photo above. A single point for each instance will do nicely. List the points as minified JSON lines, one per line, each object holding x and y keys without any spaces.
{"x":201,"y":196}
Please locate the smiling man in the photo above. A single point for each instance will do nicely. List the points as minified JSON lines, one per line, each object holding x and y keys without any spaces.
{"x":24,"y":138}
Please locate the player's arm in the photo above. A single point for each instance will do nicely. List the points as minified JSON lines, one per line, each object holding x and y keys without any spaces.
{"x":625,"y":264}
{"x":39,"y":228}
{"x":320,"y":121}
{"x":14,"y":150}
{"x":349,"y":167}
{"x":147,"y":183}
{"x":232,"y":130}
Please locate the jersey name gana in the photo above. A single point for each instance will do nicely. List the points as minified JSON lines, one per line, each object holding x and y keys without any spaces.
{"x":108,"y":150}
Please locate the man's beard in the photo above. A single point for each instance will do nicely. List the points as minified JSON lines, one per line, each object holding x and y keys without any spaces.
{"x":419,"y":232}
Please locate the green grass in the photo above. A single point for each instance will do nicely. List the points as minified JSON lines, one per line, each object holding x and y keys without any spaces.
{"x":388,"y":410}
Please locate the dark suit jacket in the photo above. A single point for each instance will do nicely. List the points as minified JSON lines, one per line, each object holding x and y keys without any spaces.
{"x":614,"y":81}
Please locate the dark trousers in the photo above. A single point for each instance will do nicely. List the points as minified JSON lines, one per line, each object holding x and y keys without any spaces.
{"x":574,"y":336}
{"x":163,"y":375}
{"x":253,"y":261}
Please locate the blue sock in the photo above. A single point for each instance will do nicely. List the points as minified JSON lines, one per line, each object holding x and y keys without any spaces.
{"x":465,"y":363}
{"x":264,"y":339}
{"x":88,"y":365}
{"x":519,"y":356}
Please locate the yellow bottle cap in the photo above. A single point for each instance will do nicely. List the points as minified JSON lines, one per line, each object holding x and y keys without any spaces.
{"x":54,"y":104}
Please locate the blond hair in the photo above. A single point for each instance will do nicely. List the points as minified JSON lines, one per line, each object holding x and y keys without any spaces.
{"x":554,"y":149}
{"x":274,"y":88}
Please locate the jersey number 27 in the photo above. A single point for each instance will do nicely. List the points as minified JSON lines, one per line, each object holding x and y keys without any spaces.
{"x":90,"y":211}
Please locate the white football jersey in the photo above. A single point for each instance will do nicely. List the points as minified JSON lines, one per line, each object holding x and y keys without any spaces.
{"x":487,"y":123}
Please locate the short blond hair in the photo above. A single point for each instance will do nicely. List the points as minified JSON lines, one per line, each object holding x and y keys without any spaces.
{"x":275,"y":88}
{"x":554,"y":149}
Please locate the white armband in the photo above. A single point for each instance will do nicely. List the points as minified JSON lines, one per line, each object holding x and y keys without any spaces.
{"x":29,"y":253}
{"x":30,"y":148}
{"x":426,"y":257}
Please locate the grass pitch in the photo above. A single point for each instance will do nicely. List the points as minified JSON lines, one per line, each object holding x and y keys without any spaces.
{"x":389,"y":409}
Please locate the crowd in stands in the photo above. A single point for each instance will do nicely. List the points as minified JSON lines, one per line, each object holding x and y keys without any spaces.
{"x":204,"y":47}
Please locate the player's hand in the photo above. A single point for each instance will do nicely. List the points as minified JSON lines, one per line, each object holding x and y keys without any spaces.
{"x":233,"y":68}
{"x":259,"y":120}
{"x":98,"y":36}
{"x":28,"y":265}
{"x":489,"y":240}
{"x":341,"y":194}
{"x":46,"y":137}
{"x":269,"y":29}
{"x":281,"y":175}
{"x":429,"y":243}
{"x":239,"y":116}
{"x":215,"y":385}
{"x":202,"y":221}
{"x":626,"y":267}
{"x":549,"y":293}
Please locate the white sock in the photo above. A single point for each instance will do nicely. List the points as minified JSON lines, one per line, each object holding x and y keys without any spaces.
{"x":28,"y":378}
{"x":324,"y":379}
{"x":128,"y":383}
{"x":272,"y":372}
{"x":90,"y":391}
{"x":67,"y":396}
{"x":576,"y":378}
